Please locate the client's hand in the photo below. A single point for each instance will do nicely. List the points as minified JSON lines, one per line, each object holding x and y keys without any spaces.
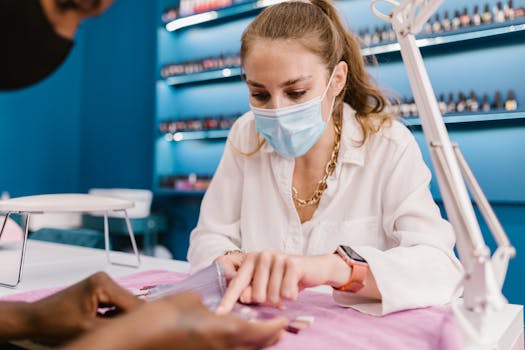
{"x":271,"y":278}
{"x":181,"y":321}
{"x":231,"y":263}
{"x":73,"y":310}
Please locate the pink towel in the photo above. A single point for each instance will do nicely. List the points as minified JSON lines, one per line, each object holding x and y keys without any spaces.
{"x":334,"y":327}
{"x":344,"y":328}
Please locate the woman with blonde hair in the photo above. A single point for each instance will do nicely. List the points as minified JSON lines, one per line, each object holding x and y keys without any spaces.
{"x":317,"y":184}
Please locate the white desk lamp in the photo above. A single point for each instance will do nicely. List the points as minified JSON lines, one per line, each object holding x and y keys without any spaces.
{"x":64,"y":203}
{"x":484,"y":276}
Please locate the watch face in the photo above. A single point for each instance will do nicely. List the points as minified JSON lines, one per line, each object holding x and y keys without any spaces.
{"x":352,"y":254}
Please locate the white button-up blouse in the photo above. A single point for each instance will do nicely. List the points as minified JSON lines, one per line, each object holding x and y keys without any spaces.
{"x":377,"y":201}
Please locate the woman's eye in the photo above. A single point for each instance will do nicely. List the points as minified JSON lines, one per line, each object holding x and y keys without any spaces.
{"x":296,"y":94}
{"x":259,"y":96}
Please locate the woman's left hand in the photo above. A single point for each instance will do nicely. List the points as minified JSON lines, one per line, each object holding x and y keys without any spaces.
{"x":271,"y":278}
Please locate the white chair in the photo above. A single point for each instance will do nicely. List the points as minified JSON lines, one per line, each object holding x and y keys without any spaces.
{"x":66,"y":203}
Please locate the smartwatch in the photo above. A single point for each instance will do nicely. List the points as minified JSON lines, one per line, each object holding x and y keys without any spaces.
{"x":359,"y":269}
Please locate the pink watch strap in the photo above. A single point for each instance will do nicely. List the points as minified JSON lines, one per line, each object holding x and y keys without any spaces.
{"x":357,"y":279}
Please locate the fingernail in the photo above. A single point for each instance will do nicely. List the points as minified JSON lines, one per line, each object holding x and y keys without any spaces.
{"x":219,"y":309}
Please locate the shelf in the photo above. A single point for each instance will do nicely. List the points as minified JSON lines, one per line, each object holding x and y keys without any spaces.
{"x":471,"y":118}
{"x":197,"y":135}
{"x":189,"y":193}
{"x":218,"y":74}
{"x":411,"y":121}
{"x":223,"y":13}
{"x":454,"y":37}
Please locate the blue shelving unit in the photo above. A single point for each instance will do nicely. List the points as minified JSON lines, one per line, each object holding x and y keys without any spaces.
{"x":471,"y":118}
{"x":448,"y":38}
{"x":452,"y":37}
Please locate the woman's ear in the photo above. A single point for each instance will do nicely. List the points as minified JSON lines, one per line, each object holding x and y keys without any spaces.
{"x":341,"y":71}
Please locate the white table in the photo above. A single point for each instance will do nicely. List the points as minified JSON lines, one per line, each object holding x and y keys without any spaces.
{"x":65,"y":203}
{"x":52,"y":265}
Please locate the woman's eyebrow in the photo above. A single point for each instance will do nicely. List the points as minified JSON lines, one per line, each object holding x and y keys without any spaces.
{"x":286,"y":83}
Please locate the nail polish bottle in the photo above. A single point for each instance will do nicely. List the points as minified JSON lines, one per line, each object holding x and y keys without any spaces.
{"x":485,"y":105}
{"x":497,"y":103}
{"x":509,"y":11}
{"x":391,"y":34}
{"x":456,"y":21}
{"x":413,"y":108}
{"x":428,"y":28}
{"x":445,"y":23}
{"x":472,"y":102}
{"x":184,"y":8}
{"x":451,"y":104}
{"x":510,"y":103}
{"x":360,"y":34}
{"x":395,"y":107}
{"x":436,"y":25}
{"x":441,"y":104}
{"x":169,"y":15}
{"x":486,"y":16}
{"x":224,"y":123}
{"x":461,"y":106}
{"x":404,"y":108}
{"x":164,"y":127}
{"x":464,"y":19}
{"x":519,"y":12}
{"x":361,"y":37}
{"x":171,"y":126}
{"x":367,"y":37}
{"x":499,"y":15}
{"x":476,"y":17}
{"x":376,"y":37}
{"x":384,"y":34}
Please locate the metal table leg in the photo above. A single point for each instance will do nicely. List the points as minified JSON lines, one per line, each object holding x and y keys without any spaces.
{"x":23,"y":253}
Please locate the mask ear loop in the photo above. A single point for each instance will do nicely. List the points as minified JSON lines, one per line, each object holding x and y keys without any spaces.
{"x":324,"y":95}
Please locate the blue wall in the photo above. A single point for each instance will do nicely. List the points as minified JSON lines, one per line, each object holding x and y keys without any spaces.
{"x":116,"y":129}
{"x":39,"y":132}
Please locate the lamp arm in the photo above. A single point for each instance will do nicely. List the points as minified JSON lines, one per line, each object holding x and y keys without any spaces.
{"x":484,"y":276}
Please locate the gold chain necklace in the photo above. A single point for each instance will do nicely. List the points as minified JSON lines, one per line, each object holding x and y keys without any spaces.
{"x":321,"y":185}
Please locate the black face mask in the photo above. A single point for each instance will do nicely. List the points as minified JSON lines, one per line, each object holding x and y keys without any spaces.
{"x":30,"y":49}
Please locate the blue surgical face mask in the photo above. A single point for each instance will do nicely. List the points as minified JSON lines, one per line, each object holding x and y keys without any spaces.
{"x":293,"y":130}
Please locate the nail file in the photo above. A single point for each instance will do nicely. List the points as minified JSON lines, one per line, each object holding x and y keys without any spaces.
{"x":209,"y":283}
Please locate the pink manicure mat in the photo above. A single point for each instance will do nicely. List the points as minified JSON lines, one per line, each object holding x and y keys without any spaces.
{"x":334,"y":327}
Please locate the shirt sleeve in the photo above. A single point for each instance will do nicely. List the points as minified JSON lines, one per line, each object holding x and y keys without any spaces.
{"x":218,"y":228}
{"x":422,"y":269}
